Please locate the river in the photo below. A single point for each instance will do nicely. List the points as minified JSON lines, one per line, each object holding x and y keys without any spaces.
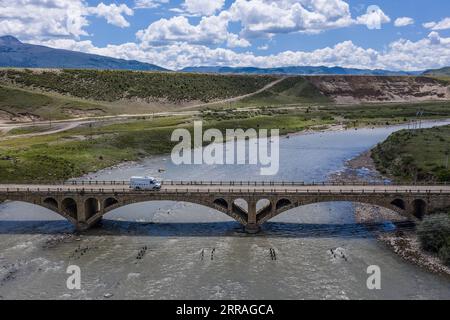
{"x":192,"y":252}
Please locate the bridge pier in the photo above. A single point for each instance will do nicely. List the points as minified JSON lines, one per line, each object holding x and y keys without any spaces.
{"x":82,"y":226}
{"x":252,"y":226}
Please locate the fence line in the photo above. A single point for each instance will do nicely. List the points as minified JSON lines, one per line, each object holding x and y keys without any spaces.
{"x":222,"y":183}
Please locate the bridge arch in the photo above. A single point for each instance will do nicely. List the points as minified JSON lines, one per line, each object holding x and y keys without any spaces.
{"x":264,"y":206}
{"x":51,"y":203}
{"x":69,"y":207}
{"x":262,"y":203}
{"x":399,"y":203}
{"x":283,"y":203}
{"x":91,"y":207}
{"x":241,"y":203}
{"x":109,"y":202}
{"x":239,"y":208}
{"x":221,"y":203}
{"x":419,"y":208}
{"x":117,"y":204}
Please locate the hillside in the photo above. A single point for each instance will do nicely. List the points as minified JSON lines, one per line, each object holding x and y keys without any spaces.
{"x":297,"y":70}
{"x":443,"y":72}
{"x":128,"y":85}
{"x":415,"y":155}
{"x":43,"y":93}
{"x":352,"y":90}
{"x":290,"y":90}
{"x":14,"y":53}
{"x":20,"y":105}
{"x":356,"y":89}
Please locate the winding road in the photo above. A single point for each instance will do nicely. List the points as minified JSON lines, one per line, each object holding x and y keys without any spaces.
{"x":64,"y":125}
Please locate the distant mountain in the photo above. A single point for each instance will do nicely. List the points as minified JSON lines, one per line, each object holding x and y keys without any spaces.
{"x":438,"y":72}
{"x":14,"y":53}
{"x":303,"y":70}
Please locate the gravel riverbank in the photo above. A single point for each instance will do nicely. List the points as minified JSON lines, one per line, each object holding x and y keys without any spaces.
{"x":399,"y":235}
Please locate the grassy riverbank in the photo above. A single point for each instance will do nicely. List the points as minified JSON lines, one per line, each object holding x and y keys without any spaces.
{"x":415,"y":155}
{"x":434,"y":235}
{"x":96,"y":146}
{"x":405,"y":156}
{"x":90,"y":148}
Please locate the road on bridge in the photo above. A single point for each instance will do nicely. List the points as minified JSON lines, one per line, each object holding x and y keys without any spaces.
{"x":225,"y":187}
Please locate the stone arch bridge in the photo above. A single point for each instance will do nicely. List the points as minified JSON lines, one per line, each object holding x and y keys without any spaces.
{"x":84,"y":203}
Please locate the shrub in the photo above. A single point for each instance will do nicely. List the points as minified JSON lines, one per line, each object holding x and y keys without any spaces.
{"x":115,"y":85}
{"x":443,"y":175}
{"x":434,"y":235}
{"x":433,"y":232}
{"x":444,"y":252}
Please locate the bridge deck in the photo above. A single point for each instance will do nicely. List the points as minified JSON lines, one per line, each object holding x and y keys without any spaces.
{"x":230,"y":188}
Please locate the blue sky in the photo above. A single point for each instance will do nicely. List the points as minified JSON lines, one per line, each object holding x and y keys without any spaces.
{"x":264,"y":33}
{"x":421,"y":10}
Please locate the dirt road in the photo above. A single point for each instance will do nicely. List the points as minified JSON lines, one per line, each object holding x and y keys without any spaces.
{"x":64,"y":125}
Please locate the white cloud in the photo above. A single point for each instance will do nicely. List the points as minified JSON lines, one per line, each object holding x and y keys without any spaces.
{"x":177,"y":42}
{"x":430,"y":52}
{"x":40,"y":19}
{"x":203,"y":7}
{"x":373,"y":18}
{"x":148,"y":4}
{"x":444,"y":24}
{"x":261,"y":18}
{"x":211,"y":30}
{"x":266,"y":17}
{"x":113,"y":14}
{"x":403,"y":21}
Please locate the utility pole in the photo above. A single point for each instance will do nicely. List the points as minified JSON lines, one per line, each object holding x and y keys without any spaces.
{"x":419,"y":115}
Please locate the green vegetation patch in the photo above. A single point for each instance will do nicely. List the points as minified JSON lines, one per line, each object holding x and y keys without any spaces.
{"x":73,"y":153}
{"x":29,"y":129}
{"x":288,"y":91}
{"x":116,"y":85}
{"x":19,"y":104}
{"x":434,"y":235}
{"x":416,"y":155}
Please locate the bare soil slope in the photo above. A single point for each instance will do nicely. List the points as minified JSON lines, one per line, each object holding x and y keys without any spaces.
{"x":355,"y":89}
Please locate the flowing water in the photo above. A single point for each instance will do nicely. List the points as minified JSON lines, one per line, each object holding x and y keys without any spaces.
{"x":168,"y":250}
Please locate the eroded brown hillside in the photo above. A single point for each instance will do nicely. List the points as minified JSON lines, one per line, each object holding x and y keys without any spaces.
{"x":354,"y":89}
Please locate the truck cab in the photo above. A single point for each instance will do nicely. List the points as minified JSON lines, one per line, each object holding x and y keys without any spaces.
{"x":144,"y":183}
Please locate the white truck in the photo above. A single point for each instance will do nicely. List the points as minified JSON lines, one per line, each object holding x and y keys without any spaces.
{"x":144,"y":183}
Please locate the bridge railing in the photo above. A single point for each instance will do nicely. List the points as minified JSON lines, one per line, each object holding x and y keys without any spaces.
{"x":293,"y":183}
{"x":222,"y":183}
{"x":189,"y":191}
